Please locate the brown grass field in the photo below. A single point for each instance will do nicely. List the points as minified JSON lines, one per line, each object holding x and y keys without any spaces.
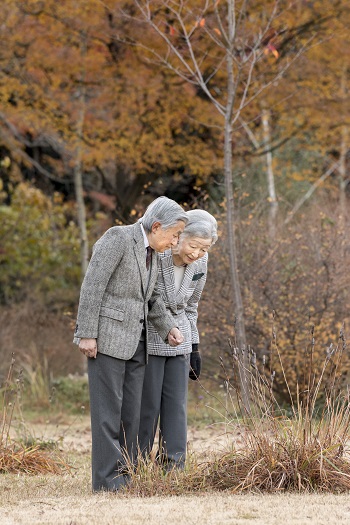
{"x":67,"y":499}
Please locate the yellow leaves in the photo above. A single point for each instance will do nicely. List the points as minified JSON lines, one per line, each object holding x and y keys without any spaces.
{"x":32,"y":197}
{"x":5,"y":163}
{"x":3,"y":194}
{"x":298,"y":176}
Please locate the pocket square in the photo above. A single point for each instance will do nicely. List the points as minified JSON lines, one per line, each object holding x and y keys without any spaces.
{"x":197,"y":276}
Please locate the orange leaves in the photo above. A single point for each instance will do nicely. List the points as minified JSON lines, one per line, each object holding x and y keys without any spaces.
{"x":270,"y":49}
{"x":200,"y":23}
{"x":269,"y":43}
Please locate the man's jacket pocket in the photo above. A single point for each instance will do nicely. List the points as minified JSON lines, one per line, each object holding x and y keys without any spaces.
{"x":112,"y":313}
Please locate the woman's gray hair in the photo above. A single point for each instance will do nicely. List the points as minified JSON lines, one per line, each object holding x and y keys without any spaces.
{"x":165,"y":211}
{"x":201,"y":224}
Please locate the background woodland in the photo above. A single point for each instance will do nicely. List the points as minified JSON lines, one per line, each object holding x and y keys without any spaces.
{"x":82,"y":97}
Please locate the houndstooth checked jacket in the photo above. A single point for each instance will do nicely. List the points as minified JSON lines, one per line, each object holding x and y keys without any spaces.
{"x":183,"y":305}
{"x":114,"y":297}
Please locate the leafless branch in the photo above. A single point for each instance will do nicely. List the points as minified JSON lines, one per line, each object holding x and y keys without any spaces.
{"x":311,"y":190}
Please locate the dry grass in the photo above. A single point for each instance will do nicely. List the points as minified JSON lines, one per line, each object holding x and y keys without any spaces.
{"x":47,"y":499}
{"x":63,"y":500}
{"x":268,"y":466}
{"x":282,"y":462}
{"x":305,"y":450}
{"x":20,"y":457}
{"x":17,"y":459}
{"x":67,"y":499}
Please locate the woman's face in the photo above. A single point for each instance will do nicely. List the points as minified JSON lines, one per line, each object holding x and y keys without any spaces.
{"x":190,"y":249}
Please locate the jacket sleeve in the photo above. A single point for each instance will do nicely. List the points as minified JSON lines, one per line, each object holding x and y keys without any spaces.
{"x":191,"y":309}
{"x":159,"y":316}
{"x":106,"y":256}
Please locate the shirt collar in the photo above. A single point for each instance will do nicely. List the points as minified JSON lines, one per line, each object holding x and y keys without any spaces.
{"x":145,"y":239}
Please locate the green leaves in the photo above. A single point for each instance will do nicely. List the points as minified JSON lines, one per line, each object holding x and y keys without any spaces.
{"x":39,"y":252}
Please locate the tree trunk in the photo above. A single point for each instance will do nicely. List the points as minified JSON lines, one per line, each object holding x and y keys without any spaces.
{"x":78,"y":176}
{"x":231,"y":222}
{"x":343,"y":181}
{"x":78,"y":186}
{"x":234,"y":272}
{"x":273,"y":204}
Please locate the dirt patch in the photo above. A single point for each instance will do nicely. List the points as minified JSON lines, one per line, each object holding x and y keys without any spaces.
{"x":74,"y":434}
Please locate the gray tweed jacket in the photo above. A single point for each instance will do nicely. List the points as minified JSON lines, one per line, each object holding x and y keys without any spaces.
{"x":182,"y":305}
{"x":115,"y":299}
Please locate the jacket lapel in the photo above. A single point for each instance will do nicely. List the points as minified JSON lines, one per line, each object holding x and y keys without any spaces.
{"x":154,"y":274}
{"x":139,"y":249}
{"x":167,"y":267}
{"x":186,"y":281}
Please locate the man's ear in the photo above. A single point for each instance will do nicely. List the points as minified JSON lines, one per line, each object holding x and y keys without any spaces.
{"x":155,"y":226}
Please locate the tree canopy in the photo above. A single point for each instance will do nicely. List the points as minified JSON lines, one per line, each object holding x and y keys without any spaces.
{"x":91,"y":82}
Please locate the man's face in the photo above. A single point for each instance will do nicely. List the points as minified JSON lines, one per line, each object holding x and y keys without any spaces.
{"x":161,"y":239}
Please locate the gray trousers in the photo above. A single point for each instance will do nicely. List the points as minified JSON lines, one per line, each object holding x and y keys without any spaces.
{"x":115,"y":389}
{"x":164,"y":397}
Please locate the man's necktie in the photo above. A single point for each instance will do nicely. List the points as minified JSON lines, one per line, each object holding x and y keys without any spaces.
{"x":148,"y":257}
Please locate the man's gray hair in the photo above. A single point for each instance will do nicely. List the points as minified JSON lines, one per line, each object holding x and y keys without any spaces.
{"x":165,"y":211}
{"x":201,"y":224}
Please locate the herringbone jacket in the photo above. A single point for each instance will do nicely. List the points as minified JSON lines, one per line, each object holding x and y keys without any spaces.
{"x":182,"y":305}
{"x":115,"y":299}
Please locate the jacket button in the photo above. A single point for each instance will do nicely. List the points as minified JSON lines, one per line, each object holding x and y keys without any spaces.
{"x":141,"y":320}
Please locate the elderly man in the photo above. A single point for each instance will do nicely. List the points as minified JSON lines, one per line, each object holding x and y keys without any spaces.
{"x":117,"y":297}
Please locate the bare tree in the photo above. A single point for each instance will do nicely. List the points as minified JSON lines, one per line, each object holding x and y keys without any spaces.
{"x":273,"y":203}
{"x":343,"y":177}
{"x":219,"y":47}
{"x":78,"y":175}
{"x":270,"y":177}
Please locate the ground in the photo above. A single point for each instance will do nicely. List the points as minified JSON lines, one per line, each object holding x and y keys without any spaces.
{"x":67,"y":499}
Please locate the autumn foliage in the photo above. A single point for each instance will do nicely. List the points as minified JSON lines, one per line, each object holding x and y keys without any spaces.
{"x":147,"y":131}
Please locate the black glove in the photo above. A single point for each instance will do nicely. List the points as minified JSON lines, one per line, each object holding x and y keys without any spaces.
{"x":195,"y":363}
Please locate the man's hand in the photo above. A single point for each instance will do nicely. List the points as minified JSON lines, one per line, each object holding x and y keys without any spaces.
{"x":175,"y":337}
{"x":88,"y":347}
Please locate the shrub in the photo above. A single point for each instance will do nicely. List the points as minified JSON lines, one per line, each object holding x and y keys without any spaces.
{"x":39,"y":248}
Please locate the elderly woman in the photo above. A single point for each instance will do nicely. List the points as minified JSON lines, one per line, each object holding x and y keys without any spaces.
{"x":181,"y":278}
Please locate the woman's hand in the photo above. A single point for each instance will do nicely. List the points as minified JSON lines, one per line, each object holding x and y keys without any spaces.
{"x":175,"y":337}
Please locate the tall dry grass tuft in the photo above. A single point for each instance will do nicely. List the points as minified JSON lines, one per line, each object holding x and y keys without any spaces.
{"x":302,"y":447}
{"x":148,"y":478}
{"x":16,"y":456}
